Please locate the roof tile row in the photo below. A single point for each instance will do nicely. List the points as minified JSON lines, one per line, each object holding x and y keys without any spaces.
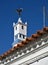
{"x":23,"y":43}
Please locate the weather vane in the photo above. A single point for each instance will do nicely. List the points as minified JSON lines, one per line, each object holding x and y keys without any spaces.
{"x":19,"y":11}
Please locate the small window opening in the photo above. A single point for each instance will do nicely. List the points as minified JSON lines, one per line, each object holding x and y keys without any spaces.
{"x":16,"y":28}
{"x":23,"y":36}
{"x":22,"y":27}
{"x":20,"y":35}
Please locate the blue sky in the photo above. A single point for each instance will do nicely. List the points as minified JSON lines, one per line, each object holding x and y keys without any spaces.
{"x":32,"y":13}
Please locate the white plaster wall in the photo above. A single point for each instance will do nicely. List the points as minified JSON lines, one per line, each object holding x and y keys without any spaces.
{"x":20,"y":30}
{"x":30,"y":57}
{"x":43,"y":61}
{"x":16,"y":31}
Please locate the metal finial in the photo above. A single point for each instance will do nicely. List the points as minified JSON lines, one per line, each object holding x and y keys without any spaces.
{"x":19,"y":11}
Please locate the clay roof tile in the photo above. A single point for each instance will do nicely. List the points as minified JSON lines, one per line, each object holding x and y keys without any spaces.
{"x":45,"y":29}
{"x":0,"y":57}
{"x":8,"y":52}
{"x":35,"y":35}
{"x":40,"y":32}
{"x":5,"y":54}
{"x":12,"y":49}
{"x":23,"y":43}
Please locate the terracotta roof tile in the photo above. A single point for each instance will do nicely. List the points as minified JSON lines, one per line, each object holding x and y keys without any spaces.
{"x":45,"y":29}
{"x":23,"y":43}
{"x":5,"y":54}
{"x":16,"y":47}
{"x":12,"y":49}
{"x":40,"y":32}
{"x":0,"y":57}
{"x":8,"y":52}
{"x":30,"y":39}
{"x":35,"y":35}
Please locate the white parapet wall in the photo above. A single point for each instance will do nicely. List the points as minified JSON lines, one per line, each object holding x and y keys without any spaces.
{"x":31,"y":57}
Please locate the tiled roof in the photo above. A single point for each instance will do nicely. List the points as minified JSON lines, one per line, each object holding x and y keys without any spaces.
{"x":23,"y":43}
